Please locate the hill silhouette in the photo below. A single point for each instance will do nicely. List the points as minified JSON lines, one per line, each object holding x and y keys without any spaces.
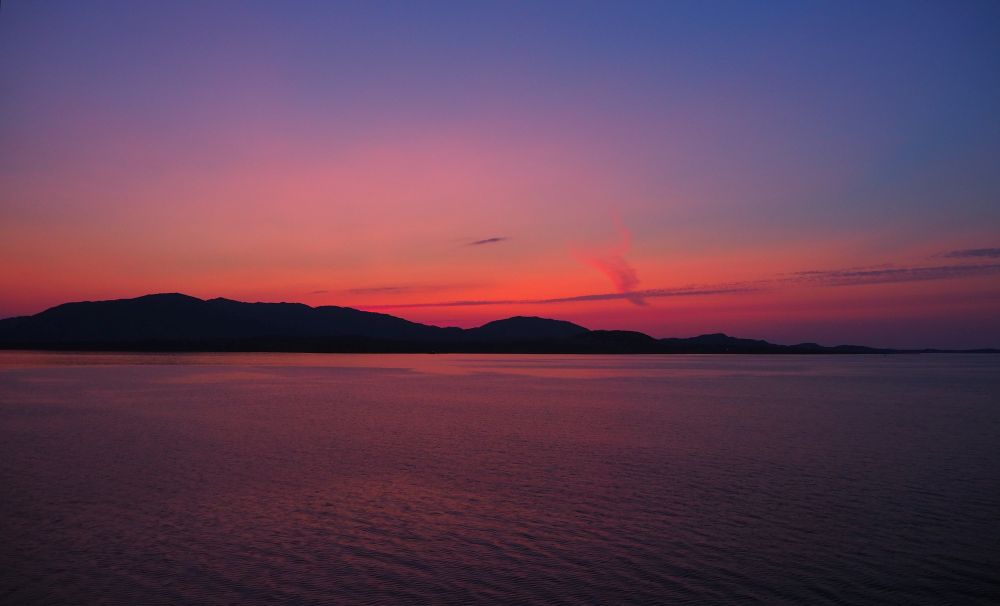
{"x":178,"y":322}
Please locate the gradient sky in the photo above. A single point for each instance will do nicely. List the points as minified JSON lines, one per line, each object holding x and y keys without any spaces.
{"x":801,"y":171}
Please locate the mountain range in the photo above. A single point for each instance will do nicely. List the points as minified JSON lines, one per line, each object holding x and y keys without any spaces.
{"x":178,"y":322}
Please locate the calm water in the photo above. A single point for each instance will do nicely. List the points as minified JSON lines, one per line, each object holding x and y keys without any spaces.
{"x":329,"y":479}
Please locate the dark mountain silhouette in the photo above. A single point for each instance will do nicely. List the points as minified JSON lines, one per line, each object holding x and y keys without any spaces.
{"x":523,"y":328}
{"x":178,"y":322}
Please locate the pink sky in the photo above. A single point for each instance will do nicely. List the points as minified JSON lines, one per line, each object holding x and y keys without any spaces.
{"x":266,"y":165}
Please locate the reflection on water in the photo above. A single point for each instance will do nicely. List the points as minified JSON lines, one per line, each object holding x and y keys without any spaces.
{"x":314,"y":478}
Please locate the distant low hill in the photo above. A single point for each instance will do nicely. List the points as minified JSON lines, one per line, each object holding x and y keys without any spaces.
{"x":177,"y":322}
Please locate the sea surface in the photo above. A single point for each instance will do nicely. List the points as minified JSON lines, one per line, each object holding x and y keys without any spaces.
{"x":522,"y":479}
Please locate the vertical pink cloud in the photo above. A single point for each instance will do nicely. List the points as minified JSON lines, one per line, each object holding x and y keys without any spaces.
{"x":612,"y":263}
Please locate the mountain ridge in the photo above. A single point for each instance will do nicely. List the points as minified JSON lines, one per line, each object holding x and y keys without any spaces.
{"x":180,"y":322}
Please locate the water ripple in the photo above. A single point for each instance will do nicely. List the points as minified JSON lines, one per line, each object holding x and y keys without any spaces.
{"x":554,"y":480}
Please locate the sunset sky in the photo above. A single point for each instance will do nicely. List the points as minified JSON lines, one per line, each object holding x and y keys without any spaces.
{"x":801,"y":171}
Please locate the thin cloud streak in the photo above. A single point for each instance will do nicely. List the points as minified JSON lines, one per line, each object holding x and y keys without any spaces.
{"x":380,"y":290}
{"x":611,"y":296}
{"x":493,"y":240}
{"x":974,"y":253}
{"x":399,"y":289}
{"x":826,"y":278}
{"x":892,"y":275}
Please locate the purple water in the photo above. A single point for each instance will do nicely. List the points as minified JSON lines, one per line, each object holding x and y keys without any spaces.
{"x":338,"y":479}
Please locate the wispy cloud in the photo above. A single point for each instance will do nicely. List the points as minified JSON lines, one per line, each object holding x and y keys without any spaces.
{"x":621,"y":273}
{"x":825,"y":278}
{"x":380,"y":290}
{"x":974,"y":253}
{"x":894,"y":274}
{"x":612,"y":263}
{"x":493,"y":240}
{"x":611,"y":296}
{"x":654,"y":293}
{"x":400,"y":289}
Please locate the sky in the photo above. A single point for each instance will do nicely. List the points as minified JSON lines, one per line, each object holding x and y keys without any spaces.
{"x":796,"y":171}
